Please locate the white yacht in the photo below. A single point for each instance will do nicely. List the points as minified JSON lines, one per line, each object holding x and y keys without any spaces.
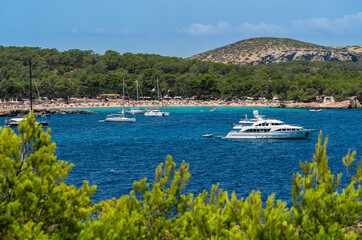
{"x":136,"y":110}
{"x":13,"y":122}
{"x":120,"y":117}
{"x":156,"y":112}
{"x":259,"y":127}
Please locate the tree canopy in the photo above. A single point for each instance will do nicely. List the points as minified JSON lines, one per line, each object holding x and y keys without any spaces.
{"x":76,"y":73}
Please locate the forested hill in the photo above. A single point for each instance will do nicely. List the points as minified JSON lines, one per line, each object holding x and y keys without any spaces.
{"x":86,"y":74}
{"x":271,"y":50}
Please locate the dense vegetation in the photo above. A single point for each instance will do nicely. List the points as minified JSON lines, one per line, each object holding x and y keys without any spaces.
{"x":35,"y":203}
{"x":77,"y":73}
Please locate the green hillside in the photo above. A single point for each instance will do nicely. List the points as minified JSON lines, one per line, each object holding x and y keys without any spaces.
{"x":77,"y":73}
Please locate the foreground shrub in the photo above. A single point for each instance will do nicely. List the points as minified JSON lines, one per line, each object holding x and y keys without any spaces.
{"x":34,"y":200}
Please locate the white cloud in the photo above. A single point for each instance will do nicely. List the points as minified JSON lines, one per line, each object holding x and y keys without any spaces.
{"x":74,"y":31}
{"x":348,"y":25}
{"x":257,"y":29}
{"x":103,"y":32}
{"x":202,"y":29}
{"x":223,"y":27}
{"x":110,"y":32}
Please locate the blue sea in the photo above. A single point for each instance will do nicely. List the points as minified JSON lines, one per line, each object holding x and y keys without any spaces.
{"x":114,"y":155}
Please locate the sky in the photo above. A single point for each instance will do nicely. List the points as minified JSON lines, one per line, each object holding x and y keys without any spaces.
{"x":173,"y":27}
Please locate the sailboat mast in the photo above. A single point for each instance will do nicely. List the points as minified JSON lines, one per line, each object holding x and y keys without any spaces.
{"x":137,"y":89}
{"x":123,"y":98}
{"x":31,"y":88}
{"x":158,"y":91}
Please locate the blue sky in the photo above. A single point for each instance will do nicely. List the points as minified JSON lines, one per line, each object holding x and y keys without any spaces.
{"x":172,"y":27}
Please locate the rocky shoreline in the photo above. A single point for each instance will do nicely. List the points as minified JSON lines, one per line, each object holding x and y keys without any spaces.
{"x":353,"y":102}
{"x":39,"y":112}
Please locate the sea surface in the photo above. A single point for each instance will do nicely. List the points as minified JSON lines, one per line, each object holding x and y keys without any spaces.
{"x":114,"y":155}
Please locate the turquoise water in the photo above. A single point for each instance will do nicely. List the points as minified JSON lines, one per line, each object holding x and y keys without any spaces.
{"x":114,"y":155}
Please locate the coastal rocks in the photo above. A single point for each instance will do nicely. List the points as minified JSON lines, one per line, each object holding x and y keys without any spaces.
{"x":39,"y":112}
{"x":69,"y":111}
{"x":353,"y":102}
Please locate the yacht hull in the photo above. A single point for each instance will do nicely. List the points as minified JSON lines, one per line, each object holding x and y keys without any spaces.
{"x":133,"y":111}
{"x":121,"y":119}
{"x":157,"y":114}
{"x":271,"y":135}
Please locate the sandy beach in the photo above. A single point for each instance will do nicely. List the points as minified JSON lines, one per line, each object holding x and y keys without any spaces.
{"x":114,"y":103}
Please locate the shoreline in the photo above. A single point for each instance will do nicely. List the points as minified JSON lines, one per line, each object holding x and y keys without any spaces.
{"x":15,"y":109}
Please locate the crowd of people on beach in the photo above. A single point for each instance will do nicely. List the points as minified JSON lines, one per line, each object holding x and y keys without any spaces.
{"x":85,"y":103}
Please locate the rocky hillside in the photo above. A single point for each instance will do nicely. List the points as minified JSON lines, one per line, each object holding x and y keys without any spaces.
{"x":269,"y":50}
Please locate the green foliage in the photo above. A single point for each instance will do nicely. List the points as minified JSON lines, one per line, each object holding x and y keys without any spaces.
{"x":34,"y":200}
{"x":36,"y":203}
{"x":320,"y":209}
{"x":77,"y":73}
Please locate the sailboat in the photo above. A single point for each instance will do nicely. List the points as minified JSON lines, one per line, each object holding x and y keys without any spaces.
{"x":136,"y":110}
{"x":156,"y":112}
{"x":120,"y":117}
{"x":43,"y":121}
{"x":16,"y":121}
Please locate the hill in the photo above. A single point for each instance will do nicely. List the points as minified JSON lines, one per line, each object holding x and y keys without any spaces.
{"x":273,"y":50}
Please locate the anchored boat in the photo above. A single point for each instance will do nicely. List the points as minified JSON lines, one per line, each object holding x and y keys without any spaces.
{"x":259,"y":127}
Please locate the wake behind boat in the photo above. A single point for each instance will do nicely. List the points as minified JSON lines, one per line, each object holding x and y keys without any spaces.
{"x":261,"y":128}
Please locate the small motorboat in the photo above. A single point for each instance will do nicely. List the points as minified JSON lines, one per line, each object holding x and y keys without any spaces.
{"x":207,"y":135}
{"x":13,"y":122}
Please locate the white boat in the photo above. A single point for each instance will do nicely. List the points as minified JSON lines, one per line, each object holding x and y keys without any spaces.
{"x":13,"y":122}
{"x":315,"y":110}
{"x":120,"y":117}
{"x":207,"y":135}
{"x":261,"y":128}
{"x":136,"y":110}
{"x":156,"y":112}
